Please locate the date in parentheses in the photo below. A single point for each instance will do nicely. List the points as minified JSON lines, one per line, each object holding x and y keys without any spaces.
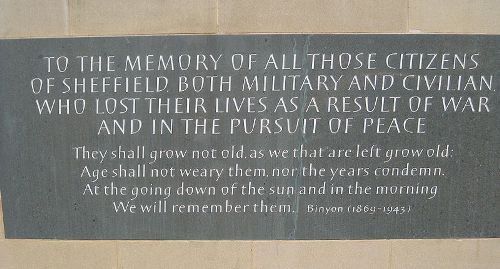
{"x":388,"y":210}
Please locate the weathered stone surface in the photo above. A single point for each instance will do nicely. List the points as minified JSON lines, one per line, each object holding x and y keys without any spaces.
{"x":96,"y":18}
{"x":324,"y":16}
{"x":450,"y":16}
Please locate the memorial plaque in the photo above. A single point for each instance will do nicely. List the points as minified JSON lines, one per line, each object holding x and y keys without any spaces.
{"x":251,"y":137}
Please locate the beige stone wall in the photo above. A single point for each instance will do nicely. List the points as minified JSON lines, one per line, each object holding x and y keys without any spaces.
{"x":43,"y":18}
{"x":51,"y":18}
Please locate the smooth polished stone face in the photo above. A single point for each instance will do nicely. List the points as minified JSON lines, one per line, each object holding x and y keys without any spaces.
{"x":250,"y":137}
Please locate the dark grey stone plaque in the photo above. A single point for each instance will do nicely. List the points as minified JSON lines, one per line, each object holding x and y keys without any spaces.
{"x":251,"y":137}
